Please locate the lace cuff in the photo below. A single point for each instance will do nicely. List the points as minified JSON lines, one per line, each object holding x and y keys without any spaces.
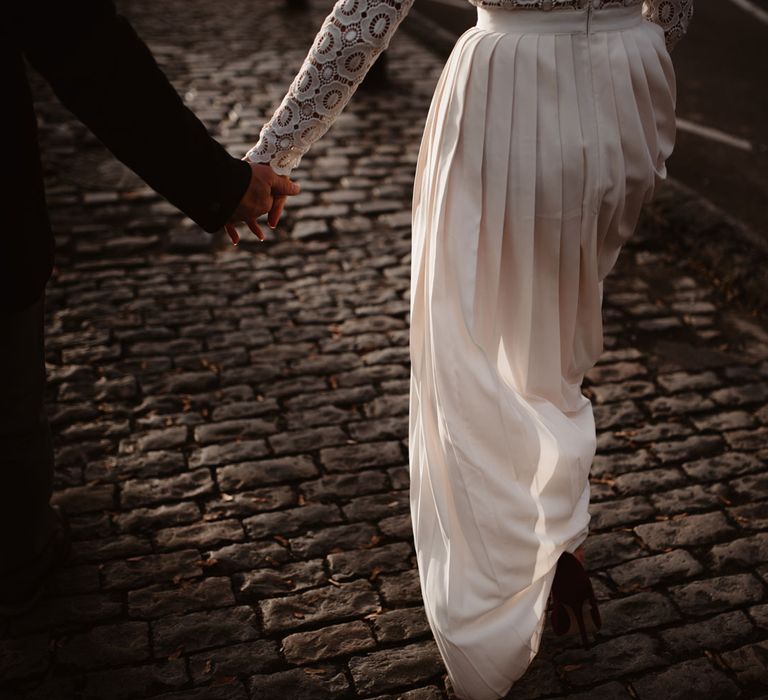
{"x":350,"y":39}
{"x":673,"y":16}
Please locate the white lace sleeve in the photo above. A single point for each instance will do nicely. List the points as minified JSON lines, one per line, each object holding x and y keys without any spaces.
{"x":673,"y":16}
{"x":349,"y":41}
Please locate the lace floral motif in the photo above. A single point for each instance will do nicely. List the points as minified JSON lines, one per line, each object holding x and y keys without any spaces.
{"x":349,"y":41}
{"x":673,"y":16}
{"x":553,"y":4}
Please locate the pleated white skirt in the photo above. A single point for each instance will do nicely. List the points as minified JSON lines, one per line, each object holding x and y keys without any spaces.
{"x":546,"y":133}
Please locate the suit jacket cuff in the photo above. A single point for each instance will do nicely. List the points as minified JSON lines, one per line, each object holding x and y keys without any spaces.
{"x":234,"y":179}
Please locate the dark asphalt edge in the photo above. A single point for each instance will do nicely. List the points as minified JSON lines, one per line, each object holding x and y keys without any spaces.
{"x":712,"y":244}
{"x":435,"y":38}
{"x":709,"y":242}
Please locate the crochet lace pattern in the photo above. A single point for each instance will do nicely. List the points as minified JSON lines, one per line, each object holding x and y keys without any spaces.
{"x":351,"y":38}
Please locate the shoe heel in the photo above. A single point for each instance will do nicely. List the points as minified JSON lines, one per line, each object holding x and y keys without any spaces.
{"x":582,"y":628}
{"x":574,"y":603}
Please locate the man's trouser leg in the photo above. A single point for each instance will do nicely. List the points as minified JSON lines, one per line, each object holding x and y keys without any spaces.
{"x":26,"y":451}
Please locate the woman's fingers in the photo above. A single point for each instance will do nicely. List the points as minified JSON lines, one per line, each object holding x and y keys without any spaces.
{"x":269,"y":195}
{"x":235,"y":236}
{"x":283,"y":185}
{"x":276,"y":211}
{"x":255,"y":228}
{"x":232,"y":233}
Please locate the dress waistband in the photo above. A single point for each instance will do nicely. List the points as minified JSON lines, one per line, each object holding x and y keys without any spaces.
{"x":560,"y":21}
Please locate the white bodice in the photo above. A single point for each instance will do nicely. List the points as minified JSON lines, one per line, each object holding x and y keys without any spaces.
{"x":349,"y":41}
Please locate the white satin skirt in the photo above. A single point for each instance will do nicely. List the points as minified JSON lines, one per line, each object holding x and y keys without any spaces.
{"x":546,"y":134}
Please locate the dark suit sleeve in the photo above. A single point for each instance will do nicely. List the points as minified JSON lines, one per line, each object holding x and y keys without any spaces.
{"x":105,"y":74}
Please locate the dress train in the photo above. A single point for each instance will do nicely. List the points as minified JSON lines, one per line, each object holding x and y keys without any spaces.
{"x":541,"y":144}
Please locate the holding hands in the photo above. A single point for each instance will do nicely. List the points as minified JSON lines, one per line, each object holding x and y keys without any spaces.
{"x":266,"y":194}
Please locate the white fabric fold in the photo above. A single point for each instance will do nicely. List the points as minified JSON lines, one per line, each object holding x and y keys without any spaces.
{"x":540,"y":146}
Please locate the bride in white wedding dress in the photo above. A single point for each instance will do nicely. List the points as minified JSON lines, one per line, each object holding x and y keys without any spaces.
{"x":549,"y":128}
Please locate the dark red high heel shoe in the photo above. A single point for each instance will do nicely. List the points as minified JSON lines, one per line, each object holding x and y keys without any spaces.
{"x":573,"y":600}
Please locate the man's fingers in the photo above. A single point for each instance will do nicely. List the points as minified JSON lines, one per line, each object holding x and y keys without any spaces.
{"x":276,"y":211}
{"x":284,"y":186}
{"x":255,"y":228}
{"x":232,"y":233}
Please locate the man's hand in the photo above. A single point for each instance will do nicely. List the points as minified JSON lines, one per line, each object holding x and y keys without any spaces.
{"x":266,"y":193}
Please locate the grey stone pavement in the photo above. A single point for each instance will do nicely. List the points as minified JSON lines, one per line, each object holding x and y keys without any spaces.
{"x":231,"y":425}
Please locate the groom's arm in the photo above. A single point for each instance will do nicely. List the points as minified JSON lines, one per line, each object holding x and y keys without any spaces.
{"x":105,"y":74}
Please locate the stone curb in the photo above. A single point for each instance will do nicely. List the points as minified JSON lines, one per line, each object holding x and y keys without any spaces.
{"x":730,"y":255}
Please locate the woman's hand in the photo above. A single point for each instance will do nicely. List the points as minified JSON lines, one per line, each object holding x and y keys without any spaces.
{"x":276,"y":211}
{"x":266,"y":193}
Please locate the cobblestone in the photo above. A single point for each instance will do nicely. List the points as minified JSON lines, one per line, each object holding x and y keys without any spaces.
{"x":717,"y":594}
{"x":399,"y":625}
{"x":748,"y":663}
{"x":246,"y":556}
{"x":393,"y":668}
{"x":336,"y":640}
{"x":649,"y":571}
{"x":155,"y":601}
{"x":639,"y":611}
{"x":107,"y":645}
{"x":220,"y":665}
{"x":161,"y":568}
{"x":231,"y":425}
{"x":254,"y":586}
{"x":305,"y":682}
{"x":685,"y":531}
{"x":722,"y":631}
{"x":173,"y":488}
{"x":319,"y":605}
{"x":630,"y":653}
{"x":201,"y":630}
{"x":696,"y":678}
{"x":739,"y":553}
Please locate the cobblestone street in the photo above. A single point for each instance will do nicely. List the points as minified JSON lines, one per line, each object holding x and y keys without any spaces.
{"x":231,"y":424}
